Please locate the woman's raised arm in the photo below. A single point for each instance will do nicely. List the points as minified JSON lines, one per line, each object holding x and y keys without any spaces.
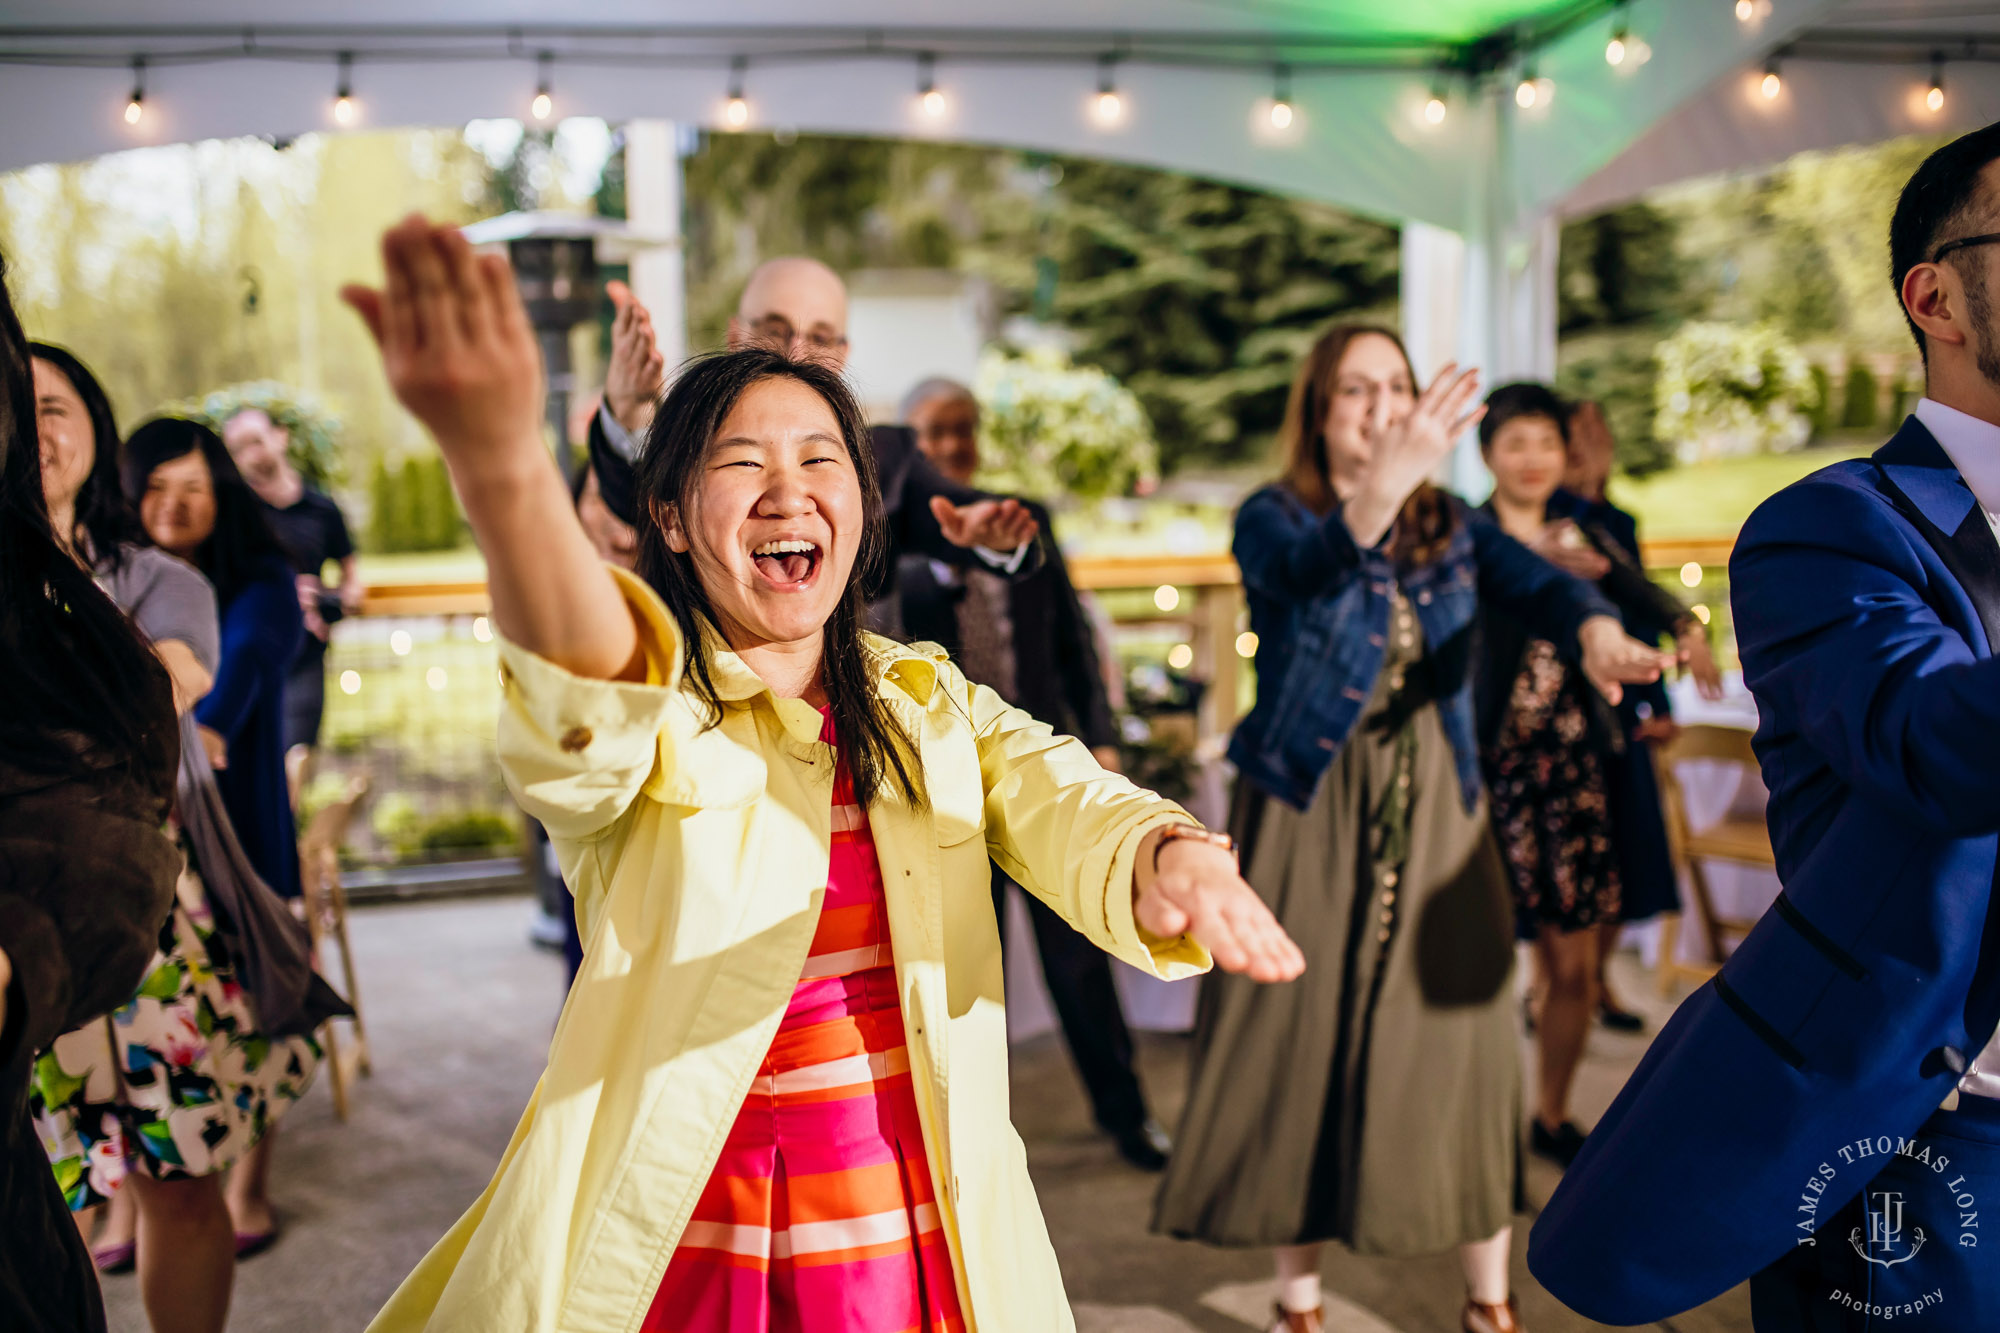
{"x":459,"y":353}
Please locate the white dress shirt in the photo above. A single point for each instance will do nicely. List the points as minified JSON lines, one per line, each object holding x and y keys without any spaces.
{"x":1974,"y":449}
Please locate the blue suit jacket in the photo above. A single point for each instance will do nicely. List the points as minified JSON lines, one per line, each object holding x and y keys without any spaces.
{"x":1865,"y":596}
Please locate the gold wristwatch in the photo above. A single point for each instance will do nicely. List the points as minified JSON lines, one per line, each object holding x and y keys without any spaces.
{"x":1190,"y":833}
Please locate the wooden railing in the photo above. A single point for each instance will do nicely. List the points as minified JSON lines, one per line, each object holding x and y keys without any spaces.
{"x":1207,"y":599}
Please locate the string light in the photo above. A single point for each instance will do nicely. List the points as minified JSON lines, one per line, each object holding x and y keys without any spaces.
{"x":1746,"y":10}
{"x":1108,"y":106}
{"x":1934,"y":99}
{"x":1772,"y":84}
{"x":1532,"y":92}
{"x":136,"y":107}
{"x":344,"y":109}
{"x":1281,"y":99}
{"x":544,"y":104}
{"x":736,"y":110}
{"x":1435,"y":109}
{"x":929,"y":98}
{"x":1620,"y":45}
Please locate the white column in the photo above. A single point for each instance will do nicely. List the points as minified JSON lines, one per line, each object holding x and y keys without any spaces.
{"x":653,"y":206}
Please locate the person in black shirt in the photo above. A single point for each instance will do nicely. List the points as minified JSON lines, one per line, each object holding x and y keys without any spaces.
{"x":1030,"y":639}
{"x":310,"y":527}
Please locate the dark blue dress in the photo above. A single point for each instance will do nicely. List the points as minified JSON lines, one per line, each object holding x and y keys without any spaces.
{"x":261,"y":625}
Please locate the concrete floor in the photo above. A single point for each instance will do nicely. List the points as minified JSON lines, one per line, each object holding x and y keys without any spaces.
{"x":460,"y":1009}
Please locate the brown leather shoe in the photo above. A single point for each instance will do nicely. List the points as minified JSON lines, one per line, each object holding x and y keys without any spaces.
{"x":1290,"y":1321}
{"x":1479,"y":1318}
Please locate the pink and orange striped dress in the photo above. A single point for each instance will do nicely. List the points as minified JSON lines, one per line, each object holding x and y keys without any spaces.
{"x":820,"y":1215}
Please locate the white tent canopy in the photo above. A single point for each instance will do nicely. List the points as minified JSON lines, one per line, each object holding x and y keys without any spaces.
{"x":1480,"y":191}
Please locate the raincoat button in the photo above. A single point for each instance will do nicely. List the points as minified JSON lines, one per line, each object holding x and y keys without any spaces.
{"x":575,"y":740}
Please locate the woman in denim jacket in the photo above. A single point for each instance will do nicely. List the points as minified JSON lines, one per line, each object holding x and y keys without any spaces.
{"x":1376,"y":1100}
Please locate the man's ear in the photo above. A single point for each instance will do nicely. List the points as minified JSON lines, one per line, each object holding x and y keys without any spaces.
{"x":668,"y":518}
{"x":1935,"y":300}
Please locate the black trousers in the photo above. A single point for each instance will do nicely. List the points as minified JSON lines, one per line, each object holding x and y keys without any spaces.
{"x":1078,"y":974}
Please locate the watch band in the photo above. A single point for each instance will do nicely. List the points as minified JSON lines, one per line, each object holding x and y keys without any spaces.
{"x":1190,"y":833}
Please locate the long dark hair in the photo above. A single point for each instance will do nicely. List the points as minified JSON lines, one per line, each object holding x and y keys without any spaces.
{"x":80,"y":693}
{"x":242,"y":549}
{"x":1424,"y":525}
{"x":106,"y":522}
{"x":669,"y":472}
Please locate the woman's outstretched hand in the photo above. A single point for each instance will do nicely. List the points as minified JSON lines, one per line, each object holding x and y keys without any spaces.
{"x":1613,"y":659}
{"x":459,"y":353}
{"x":457,"y":347}
{"x":1197,"y":891}
{"x":1407,"y":451}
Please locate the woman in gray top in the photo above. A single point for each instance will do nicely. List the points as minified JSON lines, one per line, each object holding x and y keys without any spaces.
{"x":180,"y":1083}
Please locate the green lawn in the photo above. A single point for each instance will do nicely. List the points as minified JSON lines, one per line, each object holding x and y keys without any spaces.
{"x":1713,"y":499}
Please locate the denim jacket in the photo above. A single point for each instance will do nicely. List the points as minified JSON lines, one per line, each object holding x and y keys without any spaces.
{"x":1319,"y":606}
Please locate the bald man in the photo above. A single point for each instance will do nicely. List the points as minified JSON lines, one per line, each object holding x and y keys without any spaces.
{"x":799,"y":306}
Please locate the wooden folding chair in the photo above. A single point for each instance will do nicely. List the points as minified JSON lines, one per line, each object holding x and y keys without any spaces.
{"x":1741,"y":841}
{"x":326,"y":919}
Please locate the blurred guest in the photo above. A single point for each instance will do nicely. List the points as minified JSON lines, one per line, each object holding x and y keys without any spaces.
{"x":182,"y":1081}
{"x":1376,"y":1100}
{"x":196,"y":505}
{"x":88,"y":753}
{"x":1645,"y":715}
{"x":1547,"y":740}
{"x":311,"y":528}
{"x":1029,"y":639}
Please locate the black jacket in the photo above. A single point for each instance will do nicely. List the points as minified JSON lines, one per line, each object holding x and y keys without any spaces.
{"x":1056,"y":667}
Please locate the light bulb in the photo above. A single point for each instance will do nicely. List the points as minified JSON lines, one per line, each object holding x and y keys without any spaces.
{"x":542,"y":105}
{"x":1614,"y":50}
{"x":1934,"y":99}
{"x":344,"y":109}
{"x":1110,"y":106}
{"x":1434,"y":111}
{"x":1526,"y":95}
{"x":135,"y":109}
{"x":933,"y":103}
{"x":1281,"y":114}
{"x":1772,"y":85}
{"x":737,"y":112}
{"x":1746,"y":10}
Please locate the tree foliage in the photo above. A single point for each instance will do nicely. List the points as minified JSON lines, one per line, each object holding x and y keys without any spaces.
{"x":1198,"y":296}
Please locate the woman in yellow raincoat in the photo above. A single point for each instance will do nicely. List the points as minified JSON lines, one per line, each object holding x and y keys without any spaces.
{"x":777,"y":1097}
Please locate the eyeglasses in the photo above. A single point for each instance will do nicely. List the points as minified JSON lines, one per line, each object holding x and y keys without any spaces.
{"x":1964,"y":243}
{"x":778,"y":330}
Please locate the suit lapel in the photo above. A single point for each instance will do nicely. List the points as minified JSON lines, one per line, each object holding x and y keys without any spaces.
{"x":1918,"y":477}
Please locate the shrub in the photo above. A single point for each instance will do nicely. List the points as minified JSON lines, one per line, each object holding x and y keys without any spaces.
{"x":1051,"y":429}
{"x":1728,"y":389}
{"x":1821,"y":411}
{"x":468,"y":830}
{"x":1863,"y":408}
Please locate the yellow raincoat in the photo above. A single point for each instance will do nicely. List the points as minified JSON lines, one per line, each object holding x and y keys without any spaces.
{"x":698,"y":859}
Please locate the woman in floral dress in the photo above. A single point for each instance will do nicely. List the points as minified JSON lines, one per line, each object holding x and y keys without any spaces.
{"x":174,"y":1087}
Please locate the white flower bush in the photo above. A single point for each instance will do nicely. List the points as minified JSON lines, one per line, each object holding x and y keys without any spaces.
{"x":314,"y":430}
{"x":1727,"y":389}
{"x":1053,"y":430}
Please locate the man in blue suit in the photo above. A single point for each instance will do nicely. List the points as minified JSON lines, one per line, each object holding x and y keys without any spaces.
{"x":1824,"y":1116}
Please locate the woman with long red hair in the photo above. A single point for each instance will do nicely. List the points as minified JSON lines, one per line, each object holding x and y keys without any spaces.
{"x":1377,"y":1100}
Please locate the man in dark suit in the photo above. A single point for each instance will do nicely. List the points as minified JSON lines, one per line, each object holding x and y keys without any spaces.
{"x":1789,"y":1122}
{"x":1030,"y":640}
{"x":799,"y":306}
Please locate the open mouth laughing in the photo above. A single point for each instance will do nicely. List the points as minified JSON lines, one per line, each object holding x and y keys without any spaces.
{"x":788,"y":564}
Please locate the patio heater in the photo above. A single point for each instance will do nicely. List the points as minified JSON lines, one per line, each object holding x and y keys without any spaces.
{"x":556,"y":258}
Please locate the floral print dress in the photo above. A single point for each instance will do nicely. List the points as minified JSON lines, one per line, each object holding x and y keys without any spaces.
{"x":179,"y":1082}
{"x":1550,"y":809}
